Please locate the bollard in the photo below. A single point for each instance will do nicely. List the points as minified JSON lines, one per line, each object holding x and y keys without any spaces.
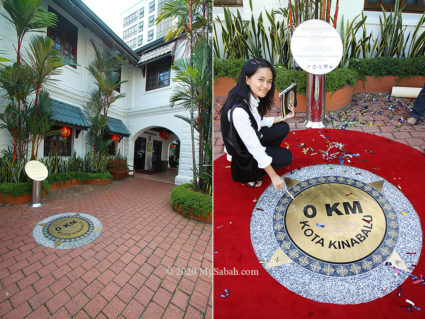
{"x":316,"y":95}
{"x":36,"y":194}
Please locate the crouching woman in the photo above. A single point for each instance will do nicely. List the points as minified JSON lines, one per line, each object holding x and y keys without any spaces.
{"x":252,"y":141}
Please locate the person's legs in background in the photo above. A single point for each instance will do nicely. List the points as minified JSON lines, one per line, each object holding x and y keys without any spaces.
{"x":418,"y":108}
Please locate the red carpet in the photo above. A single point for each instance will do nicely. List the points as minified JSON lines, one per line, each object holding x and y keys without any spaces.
{"x":262,"y":296}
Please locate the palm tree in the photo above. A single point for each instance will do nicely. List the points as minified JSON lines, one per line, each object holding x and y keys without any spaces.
{"x":28,"y":75}
{"x":191,"y":20}
{"x":40,"y":128}
{"x":14,"y":79}
{"x":27,"y":16}
{"x":1,"y":58}
{"x":105,"y":69}
{"x":196,"y":86}
{"x":93,"y":111}
{"x":44,"y":61}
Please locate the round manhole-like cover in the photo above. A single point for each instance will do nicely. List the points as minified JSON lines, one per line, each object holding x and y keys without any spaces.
{"x":67,"y":230}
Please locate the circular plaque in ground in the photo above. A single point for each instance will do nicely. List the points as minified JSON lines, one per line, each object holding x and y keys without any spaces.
{"x":67,"y":230}
{"x":340,"y":229}
{"x":341,"y":223}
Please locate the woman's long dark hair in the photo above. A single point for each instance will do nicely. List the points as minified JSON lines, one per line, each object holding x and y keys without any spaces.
{"x":241,"y":92}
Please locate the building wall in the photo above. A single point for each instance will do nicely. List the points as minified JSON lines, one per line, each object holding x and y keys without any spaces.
{"x":139,"y":110}
{"x":146,"y":109}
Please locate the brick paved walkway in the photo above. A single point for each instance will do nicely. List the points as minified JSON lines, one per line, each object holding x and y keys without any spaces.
{"x":123,"y":273}
{"x":377,"y":114}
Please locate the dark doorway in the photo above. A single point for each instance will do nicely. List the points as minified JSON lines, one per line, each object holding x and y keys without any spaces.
{"x":139,"y":153}
{"x":156,"y":155}
{"x":174,"y":154}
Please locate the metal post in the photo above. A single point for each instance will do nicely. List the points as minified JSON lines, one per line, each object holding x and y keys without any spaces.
{"x":316,"y":94}
{"x":36,"y":194}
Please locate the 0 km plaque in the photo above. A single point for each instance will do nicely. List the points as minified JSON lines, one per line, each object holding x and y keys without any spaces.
{"x":335,"y":233}
{"x":67,"y":230}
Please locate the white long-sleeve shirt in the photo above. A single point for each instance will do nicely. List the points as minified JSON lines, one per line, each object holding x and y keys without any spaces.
{"x":247,"y":133}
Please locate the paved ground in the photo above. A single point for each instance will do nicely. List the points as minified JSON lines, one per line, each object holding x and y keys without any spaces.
{"x":377,"y":114}
{"x":168,"y":176}
{"x":123,"y":273}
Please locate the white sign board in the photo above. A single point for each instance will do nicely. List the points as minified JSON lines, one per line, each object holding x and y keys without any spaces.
{"x":36,"y":171}
{"x":316,"y":47}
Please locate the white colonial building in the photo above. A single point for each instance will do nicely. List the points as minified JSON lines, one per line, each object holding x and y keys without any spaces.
{"x":143,"y":119}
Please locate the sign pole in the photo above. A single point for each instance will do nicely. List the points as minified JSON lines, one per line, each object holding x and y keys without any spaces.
{"x":316,"y":95}
{"x":36,"y":194}
{"x":317,"y":48}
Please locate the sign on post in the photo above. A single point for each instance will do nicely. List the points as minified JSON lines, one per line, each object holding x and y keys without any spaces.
{"x":317,"y":48}
{"x":37,"y":172}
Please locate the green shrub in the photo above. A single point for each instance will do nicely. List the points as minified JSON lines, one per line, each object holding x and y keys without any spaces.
{"x":201,"y":204}
{"x":16,"y":189}
{"x":228,"y":68}
{"x":383,"y":66}
{"x":339,"y":78}
{"x":82,"y":176}
{"x":105,"y":175}
{"x":63,"y":177}
{"x":285,"y":78}
{"x":335,"y":80}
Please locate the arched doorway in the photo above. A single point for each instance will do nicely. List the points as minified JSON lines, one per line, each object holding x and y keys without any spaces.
{"x":157,"y":153}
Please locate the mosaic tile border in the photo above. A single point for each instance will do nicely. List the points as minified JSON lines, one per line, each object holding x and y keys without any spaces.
{"x":42,"y":236}
{"x":355,"y":289}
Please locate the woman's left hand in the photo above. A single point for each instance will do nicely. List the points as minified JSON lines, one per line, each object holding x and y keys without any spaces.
{"x":291,"y":114}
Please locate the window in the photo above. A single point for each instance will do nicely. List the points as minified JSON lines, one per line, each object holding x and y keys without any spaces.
{"x":132,"y":43}
{"x":161,"y":3}
{"x":150,"y":35}
{"x":129,"y":32}
{"x":151,"y":20}
{"x":57,"y":144}
{"x":130,"y":19}
{"x":228,"y":3}
{"x":141,"y":25}
{"x":110,"y":150}
{"x":162,"y":28}
{"x":140,"y":40}
{"x":64,"y":36}
{"x":141,"y":13}
{"x":151,"y":6}
{"x":158,"y":74}
{"x":118,"y":89}
{"x":405,"y":5}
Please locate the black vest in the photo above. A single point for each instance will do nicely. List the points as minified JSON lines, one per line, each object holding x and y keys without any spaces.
{"x":244,"y":167}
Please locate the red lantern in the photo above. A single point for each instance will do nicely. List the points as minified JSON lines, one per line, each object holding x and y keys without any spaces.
{"x":65,"y":132}
{"x":115,"y":138}
{"x":164,"y":135}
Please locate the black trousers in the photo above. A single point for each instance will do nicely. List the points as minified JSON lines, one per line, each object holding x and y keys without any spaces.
{"x":246,"y":170}
{"x":272,"y":138}
{"x":419,"y":105}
